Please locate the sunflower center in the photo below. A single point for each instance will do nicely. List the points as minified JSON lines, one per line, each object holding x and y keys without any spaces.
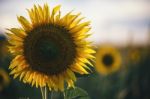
{"x":108,"y":60}
{"x":49,"y":49}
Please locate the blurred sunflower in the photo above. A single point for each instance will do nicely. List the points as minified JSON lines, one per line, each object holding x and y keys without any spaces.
{"x":50,"y":49}
{"x":4,"y":79}
{"x":3,"y":48}
{"x":108,"y":60}
{"x":134,"y":55}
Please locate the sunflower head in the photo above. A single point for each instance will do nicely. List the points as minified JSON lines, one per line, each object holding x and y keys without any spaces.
{"x":108,"y":60}
{"x":4,"y":79}
{"x":50,"y":48}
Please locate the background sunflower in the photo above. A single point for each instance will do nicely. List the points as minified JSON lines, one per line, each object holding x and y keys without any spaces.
{"x":134,"y":55}
{"x":108,"y":60}
{"x":4,"y":79}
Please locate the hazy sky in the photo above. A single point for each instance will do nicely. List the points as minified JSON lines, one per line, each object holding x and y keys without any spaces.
{"x":115,"y":21}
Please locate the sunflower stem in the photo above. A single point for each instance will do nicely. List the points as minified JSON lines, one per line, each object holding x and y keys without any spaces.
{"x":46,"y":92}
{"x":52,"y":95}
{"x":42,"y":93}
{"x":64,"y":95}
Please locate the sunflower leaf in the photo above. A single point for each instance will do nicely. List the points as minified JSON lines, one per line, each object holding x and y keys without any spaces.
{"x":76,"y":93}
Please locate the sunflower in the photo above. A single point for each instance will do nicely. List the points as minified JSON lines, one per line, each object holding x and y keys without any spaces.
{"x":50,"y":48}
{"x":108,"y":60}
{"x":4,"y":79}
{"x":134,"y":55}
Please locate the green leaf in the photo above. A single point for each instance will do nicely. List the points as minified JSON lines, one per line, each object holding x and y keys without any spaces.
{"x":76,"y":93}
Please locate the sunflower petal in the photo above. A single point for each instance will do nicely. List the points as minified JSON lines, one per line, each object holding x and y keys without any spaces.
{"x":76,"y":22}
{"x":71,"y":74}
{"x":18,"y":32}
{"x":46,"y":13}
{"x":25,"y":23}
{"x":41,"y":14}
{"x":55,"y":10}
{"x":79,"y":27}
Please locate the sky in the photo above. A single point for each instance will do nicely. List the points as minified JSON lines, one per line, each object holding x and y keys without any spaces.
{"x":113,"y":21}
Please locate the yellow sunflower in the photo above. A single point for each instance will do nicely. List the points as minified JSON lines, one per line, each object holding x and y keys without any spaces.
{"x":4,"y":79}
{"x":50,"y":48}
{"x":108,"y":60}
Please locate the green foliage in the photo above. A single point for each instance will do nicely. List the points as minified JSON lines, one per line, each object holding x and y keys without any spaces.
{"x":76,"y":93}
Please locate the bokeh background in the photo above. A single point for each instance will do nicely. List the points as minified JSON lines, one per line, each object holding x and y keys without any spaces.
{"x":122,"y":24}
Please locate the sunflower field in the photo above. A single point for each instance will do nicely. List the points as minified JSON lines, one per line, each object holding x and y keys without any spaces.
{"x":74,"y":49}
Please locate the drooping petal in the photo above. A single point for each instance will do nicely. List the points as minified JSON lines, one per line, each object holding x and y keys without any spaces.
{"x":55,"y":10}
